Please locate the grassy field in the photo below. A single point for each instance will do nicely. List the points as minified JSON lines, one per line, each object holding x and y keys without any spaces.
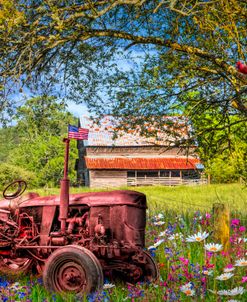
{"x":177,"y":216}
{"x":182,"y":198}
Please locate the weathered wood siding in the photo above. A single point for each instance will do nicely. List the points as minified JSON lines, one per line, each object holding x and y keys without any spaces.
{"x":107,"y":178}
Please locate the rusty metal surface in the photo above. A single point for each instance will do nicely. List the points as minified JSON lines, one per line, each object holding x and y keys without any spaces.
{"x":94,"y":199}
{"x":109,"y":225}
{"x":104,"y":133}
{"x":141,"y":163}
{"x":74,"y":238}
{"x":48,"y":213}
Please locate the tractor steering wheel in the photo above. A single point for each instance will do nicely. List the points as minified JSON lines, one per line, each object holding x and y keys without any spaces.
{"x":16,"y":188}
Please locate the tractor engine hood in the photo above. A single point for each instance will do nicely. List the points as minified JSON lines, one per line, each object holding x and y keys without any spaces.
{"x":92,"y":199}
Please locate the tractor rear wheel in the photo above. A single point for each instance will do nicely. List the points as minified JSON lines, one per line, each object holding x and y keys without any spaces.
{"x":73,"y":269}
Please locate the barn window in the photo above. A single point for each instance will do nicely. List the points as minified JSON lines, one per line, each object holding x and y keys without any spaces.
{"x":147,"y":173}
{"x":190,"y":174}
{"x":164,"y":173}
{"x":175,"y":173}
{"x":131,"y":174}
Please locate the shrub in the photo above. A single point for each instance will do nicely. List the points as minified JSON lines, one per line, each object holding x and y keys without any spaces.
{"x":45,"y":158}
{"x":9,"y":173}
{"x":229,"y":167}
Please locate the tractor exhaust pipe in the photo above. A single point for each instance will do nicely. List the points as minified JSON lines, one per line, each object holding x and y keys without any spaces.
{"x":64,"y":190}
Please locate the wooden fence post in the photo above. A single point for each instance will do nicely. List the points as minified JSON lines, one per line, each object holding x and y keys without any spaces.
{"x":221,"y":216}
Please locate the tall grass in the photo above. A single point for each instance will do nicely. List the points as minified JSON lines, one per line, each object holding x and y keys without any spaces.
{"x":181,"y":198}
{"x":191,"y":198}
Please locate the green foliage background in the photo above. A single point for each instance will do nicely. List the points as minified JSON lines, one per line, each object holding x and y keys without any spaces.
{"x":221,"y":145}
{"x":33,"y":149}
{"x":133,"y":59}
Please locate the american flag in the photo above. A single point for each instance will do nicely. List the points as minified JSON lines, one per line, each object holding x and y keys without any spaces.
{"x":77,"y":133}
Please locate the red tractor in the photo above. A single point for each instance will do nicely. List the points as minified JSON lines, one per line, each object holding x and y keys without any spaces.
{"x":75,"y":240}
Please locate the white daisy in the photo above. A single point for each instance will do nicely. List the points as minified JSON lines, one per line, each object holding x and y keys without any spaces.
{"x":108,"y":285}
{"x":157,"y":243}
{"x":187,"y":285}
{"x":188,"y":292}
{"x":236,"y":291}
{"x":158,"y":223}
{"x":158,"y":217}
{"x":228,"y":269}
{"x":225,"y":276}
{"x":233,"y":292}
{"x":187,"y":289}
{"x":223,"y":292}
{"x":241,"y":262}
{"x":213,"y":247}
{"x":197,"y":237}
{"x":176,"y":236}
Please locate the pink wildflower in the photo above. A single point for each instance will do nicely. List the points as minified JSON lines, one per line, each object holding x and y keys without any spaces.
{"x":224,"y":254}
{"x":184,"y":261}
{"x":208,"y":216}
{"x":244,"y":279}
{"x":209,"y":255}
{"x":242,"y":229}
{"x":235,"y":222}
{"x":208,"y":264}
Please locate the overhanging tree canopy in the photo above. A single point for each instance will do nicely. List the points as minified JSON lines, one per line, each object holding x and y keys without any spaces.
{"x":188,"y":51}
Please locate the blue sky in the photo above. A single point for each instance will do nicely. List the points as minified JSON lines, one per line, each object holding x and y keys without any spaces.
{"x":77,"y":110}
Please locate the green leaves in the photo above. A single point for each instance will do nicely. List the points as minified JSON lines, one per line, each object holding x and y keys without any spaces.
{"x":44,"y":156}
{"x":42,"y":115}
{"x":9,"y":173}
{"x":133,"y":59}
{"x":34,"y":145}
{"x":10,"y":16}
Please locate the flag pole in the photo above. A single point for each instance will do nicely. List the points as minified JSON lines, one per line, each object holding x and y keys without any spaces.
{"x":64,"y":189}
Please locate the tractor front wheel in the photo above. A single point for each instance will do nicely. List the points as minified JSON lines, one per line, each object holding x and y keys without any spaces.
{"x":73,"y":269}
{"x":151,"y":271}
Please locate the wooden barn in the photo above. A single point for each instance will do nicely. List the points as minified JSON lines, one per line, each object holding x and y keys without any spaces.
{"x":129,"y":159}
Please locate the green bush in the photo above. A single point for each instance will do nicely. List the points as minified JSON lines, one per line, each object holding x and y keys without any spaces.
{"x":228,"y":167}
{"x":45,"y":158}
{"x":9,"y":173}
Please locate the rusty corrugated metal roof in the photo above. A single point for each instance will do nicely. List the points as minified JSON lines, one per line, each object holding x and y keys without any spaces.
{"x":141,"y":163}
{"x":104,"y":134}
